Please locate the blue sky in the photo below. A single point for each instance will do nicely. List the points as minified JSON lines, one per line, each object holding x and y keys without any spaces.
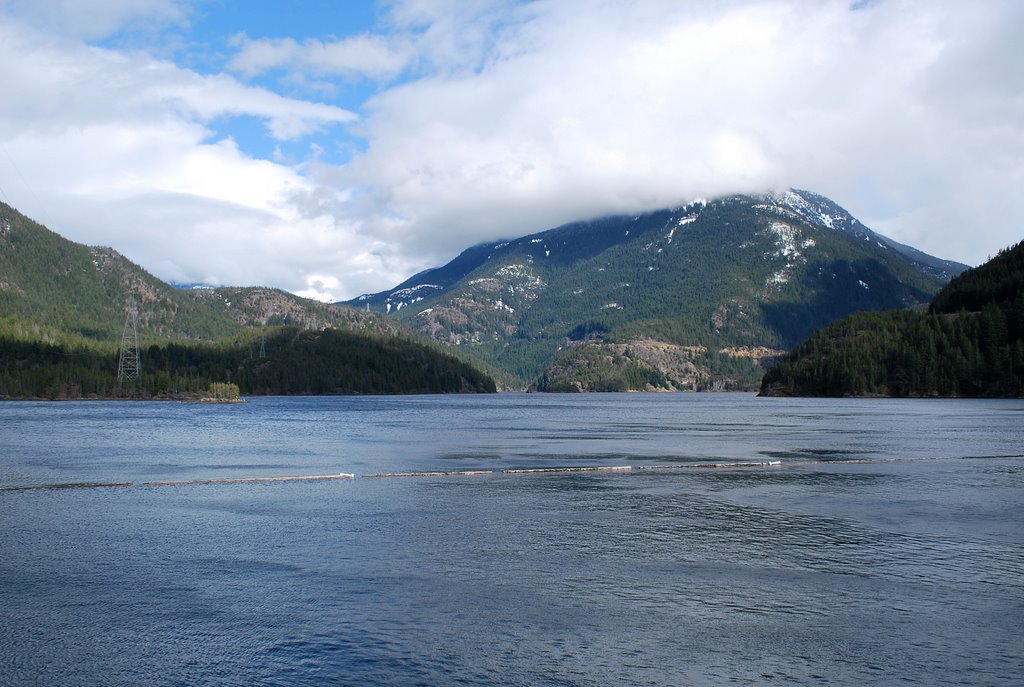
{"x":208,"y":40}
{"x":335,"y":148}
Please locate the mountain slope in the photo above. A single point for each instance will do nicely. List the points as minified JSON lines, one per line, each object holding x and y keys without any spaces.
{"x":63,"y":307}
{"x":700,"y":294}
{"x":969,"y":343}
{"x":81,"y":291}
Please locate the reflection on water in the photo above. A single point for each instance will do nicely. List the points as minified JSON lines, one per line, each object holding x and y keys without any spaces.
{"x":835,"y":572}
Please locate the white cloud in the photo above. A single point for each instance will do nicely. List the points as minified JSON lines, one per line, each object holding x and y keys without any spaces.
{"x":589,"y":108}
{"x":495,"y":119}
{"x":93,"y":19}
{"x":374,"y":57}
{"x":57,"y":86}
{"x":320,"y":287}
{"x":114,"y":149}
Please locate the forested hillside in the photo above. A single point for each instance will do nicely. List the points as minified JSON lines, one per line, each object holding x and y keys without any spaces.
{"x":970,"y":342}
{"x":63,"y":309}
{"x":277,"y":361}
{"x":81,"y":292}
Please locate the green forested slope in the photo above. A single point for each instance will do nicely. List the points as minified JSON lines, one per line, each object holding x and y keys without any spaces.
{"x":296,"y":361}
{"x":63,"y":308}
{"x":999,"y":281}
{"x":79,"y":291}
{"x":970,"y":342}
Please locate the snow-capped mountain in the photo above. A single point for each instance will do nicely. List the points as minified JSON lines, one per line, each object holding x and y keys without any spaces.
{"x":707,"y":289}
{"x":818,"y":209}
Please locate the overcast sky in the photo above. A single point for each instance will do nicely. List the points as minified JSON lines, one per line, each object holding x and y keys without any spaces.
{"x":336,"y":148}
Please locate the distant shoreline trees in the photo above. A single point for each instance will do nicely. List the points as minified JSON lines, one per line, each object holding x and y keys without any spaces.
{"x":300,"y":362}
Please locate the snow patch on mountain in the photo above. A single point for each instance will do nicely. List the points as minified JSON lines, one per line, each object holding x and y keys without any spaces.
{"x":402,"y":294}
{"x":786,"y":236}
{"x":816,"y":210}
{"x":789,"y":247}
{"x":501,"y":305}
{"x":521,"y":274}
{"x":515,"y":270}
{"x":681,"y":222}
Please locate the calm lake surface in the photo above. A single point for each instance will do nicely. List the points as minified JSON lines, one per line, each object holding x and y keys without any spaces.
{"x":887,"y":548}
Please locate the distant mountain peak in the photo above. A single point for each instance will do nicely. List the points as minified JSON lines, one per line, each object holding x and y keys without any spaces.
{"x":815,"y":209}
{"x":818,"y":210}
{"x":734,"y":273}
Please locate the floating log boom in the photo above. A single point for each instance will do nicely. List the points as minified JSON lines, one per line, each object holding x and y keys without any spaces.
{"x":441,"y":473}
{"x":239,"y":480}
{"x":682,"y":466}
{"x":530,"y":471}
{"x":68,"y":485}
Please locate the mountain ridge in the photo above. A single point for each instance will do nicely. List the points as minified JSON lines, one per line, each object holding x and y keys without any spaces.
{"x":736,"y":274}
{"x":84,"y":290}
{"x":63,"y":310}
{"x":807,"y":205}
{"x":693,"y":297}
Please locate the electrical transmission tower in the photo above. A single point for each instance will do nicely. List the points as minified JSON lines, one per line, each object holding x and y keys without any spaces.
{"x":128,"y":364}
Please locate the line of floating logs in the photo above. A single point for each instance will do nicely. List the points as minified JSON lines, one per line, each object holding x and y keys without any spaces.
{"x":680,"y":466}
{"x":511,"y":471}
{"x":238,"y":480}
{"x":68,"y":485}
{"x":446,"y":473}
{"x":348,"y":475}
{"x":527,"y":471}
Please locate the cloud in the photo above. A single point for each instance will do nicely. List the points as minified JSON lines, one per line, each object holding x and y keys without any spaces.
{"x":59,"y":86}
{"x":373,"y":57}
{"x":115,"y":149}
{"x":586,"y":108}
{"x":585,"y":111}
{"x":94,"y":19}
{"x":493,"y":119}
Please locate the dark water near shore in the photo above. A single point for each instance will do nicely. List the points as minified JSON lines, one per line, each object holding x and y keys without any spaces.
{"x":887,"y":548}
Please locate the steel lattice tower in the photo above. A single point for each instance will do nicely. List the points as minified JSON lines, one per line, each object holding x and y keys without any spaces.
{"x":128,"y":364}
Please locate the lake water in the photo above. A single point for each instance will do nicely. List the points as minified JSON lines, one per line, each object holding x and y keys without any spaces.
{"x":887,"y":548}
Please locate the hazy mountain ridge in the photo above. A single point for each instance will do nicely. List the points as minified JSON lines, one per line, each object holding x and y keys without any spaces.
{"x":723,"y":281}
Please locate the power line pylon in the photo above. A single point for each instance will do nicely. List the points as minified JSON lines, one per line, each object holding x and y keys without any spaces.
{"x":128,"y":363}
